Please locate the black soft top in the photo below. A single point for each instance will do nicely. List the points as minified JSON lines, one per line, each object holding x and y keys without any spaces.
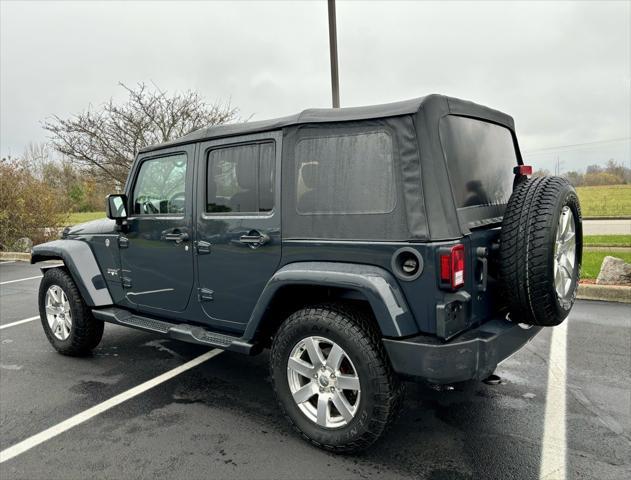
{"x":424,"y":210}
{"x":323,"y":115}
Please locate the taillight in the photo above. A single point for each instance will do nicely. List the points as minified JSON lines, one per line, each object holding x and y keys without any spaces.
{"x":523,"y":170}
{"x":452,"y":266}
{"x":445,"y":268}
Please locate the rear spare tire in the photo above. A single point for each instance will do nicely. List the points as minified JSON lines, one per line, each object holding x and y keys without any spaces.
{"x":541,"y":250}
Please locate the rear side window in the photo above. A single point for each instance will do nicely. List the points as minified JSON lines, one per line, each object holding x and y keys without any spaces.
{"x":346,"y":174}
{"x":480,"y":159}
{"x":241,"y":179}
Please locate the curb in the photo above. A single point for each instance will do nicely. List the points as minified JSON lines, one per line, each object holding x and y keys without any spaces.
{"x":605,"y":293}
{"x":15,"y":256}
{"x":607,"y":218}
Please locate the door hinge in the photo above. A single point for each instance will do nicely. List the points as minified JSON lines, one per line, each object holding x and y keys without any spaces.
{"x":123,"y":242}
{"x":203,"y":248}
{"x":126,"y":282}
{"x":205,"y":294}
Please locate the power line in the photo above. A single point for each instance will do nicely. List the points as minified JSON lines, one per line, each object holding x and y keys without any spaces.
{"x":561,"y":147}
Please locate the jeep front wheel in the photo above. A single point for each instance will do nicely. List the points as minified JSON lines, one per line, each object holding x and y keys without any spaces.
{"x":333,"y":379}
{"x":68,"y":322}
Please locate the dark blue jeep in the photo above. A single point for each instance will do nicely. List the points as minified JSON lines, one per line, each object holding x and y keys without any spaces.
{"x":362,"y":245}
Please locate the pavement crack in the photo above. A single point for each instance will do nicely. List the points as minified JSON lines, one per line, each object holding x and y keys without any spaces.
{"x":607,"y":420}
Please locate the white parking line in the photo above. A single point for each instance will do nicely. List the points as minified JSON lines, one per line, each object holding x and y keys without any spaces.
{"x":60,"y":428}
{"x":19,"y":322}
{"x":20,"y":280}
{"x":4,"y":262}
{"x":553,"y":454}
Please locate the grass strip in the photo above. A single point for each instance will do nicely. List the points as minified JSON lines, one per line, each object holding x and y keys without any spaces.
{"x":593,"y":260}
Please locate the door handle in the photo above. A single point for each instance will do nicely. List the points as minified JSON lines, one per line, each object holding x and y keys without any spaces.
{"x":178,"y":237}
{"x":254,"y":239}
{"x":203,"y":248}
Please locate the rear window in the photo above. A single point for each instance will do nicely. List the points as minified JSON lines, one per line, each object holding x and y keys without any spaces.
{"x":480,"y":160}
{"x":241,"y":179}
{"x":345,"y":174}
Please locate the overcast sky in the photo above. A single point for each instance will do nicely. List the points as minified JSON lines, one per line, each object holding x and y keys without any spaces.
{"x":562,"y":70}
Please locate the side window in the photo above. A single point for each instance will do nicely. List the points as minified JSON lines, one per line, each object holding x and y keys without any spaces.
{"x":241,"y":179}
{"x":346,"y":174}
{"x":161,"y":186}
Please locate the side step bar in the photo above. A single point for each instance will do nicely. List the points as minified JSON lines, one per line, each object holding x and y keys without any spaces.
{"x":178,"y":331}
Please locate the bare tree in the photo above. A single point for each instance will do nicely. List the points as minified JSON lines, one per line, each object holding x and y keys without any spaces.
{"x":109,"y":138}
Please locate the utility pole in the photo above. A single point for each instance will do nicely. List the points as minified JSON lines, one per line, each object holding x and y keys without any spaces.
{"x":335,"y":81}
{"x":557,"y":167}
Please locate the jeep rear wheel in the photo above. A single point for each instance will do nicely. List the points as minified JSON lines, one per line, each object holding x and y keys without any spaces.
{"x":68,"y":322}
{"x":333,"y":379}
{"x":541,"y":251}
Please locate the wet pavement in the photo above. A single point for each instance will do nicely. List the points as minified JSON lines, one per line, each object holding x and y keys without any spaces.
{"x":220,"y":419}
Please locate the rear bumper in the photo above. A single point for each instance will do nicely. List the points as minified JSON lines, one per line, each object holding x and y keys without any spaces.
{"x":474,"y":354}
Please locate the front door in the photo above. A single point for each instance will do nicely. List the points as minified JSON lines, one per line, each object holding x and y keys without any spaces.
{"x":238,"y":225}
{"x":156,"y":252}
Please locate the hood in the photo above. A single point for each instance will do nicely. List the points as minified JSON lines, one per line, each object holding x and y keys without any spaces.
{"x":104,"y":225}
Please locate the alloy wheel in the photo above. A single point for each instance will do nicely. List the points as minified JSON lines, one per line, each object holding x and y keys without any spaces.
{"x":564,"y":254}
{"x":324,"y":382}
{"x":58,"y":313}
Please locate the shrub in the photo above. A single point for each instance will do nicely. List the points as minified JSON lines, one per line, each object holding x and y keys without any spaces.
{"x":29,"y":207}
{"x":602,"y":178}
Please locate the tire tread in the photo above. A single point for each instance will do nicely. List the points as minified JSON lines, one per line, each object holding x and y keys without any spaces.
{"x":526,"y":245}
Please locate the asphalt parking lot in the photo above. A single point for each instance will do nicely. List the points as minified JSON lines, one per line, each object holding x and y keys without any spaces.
{"x":220,"y":419}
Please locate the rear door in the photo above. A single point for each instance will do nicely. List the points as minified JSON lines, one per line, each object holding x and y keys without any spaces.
{"x":156,"y":253}
{"x":238,"y":244}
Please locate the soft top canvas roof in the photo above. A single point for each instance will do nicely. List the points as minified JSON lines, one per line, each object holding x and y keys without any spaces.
{"x":324,"y":115}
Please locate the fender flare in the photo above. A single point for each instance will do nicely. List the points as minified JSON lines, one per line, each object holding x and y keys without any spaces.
{"x":378,"y":286}
{"x":80,"y":262}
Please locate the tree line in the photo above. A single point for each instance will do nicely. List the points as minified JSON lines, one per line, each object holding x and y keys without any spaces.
{"x":613,"y":173}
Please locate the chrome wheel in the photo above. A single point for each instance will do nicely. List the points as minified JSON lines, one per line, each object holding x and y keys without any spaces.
{"x":323,"y":382}
{"x":58,"y":312}
{"x":564,"y":254}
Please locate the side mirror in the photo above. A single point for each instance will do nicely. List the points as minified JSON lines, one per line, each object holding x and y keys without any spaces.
{"x":117,"y":207}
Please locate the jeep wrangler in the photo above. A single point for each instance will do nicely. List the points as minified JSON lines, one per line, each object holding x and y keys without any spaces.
{"x":363,"y":246}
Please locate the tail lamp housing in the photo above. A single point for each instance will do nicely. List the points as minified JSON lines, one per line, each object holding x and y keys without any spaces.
{"x":452,"y":266}
{"x":525,"y":170}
